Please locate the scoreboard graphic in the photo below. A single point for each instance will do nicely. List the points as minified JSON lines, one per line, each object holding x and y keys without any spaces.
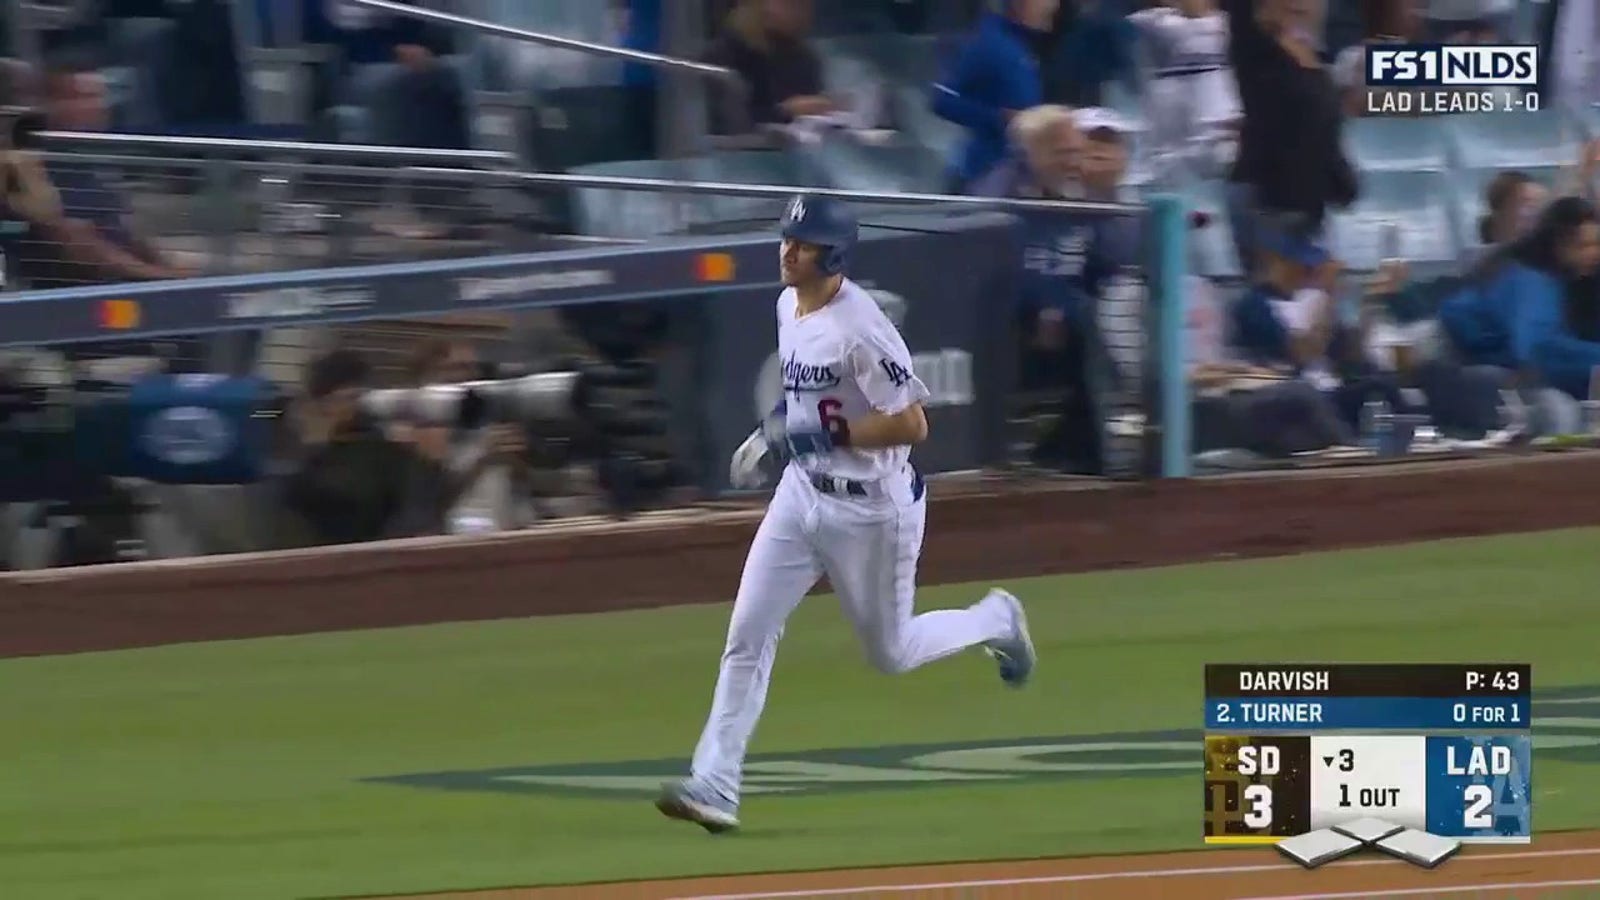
{"x":1301,"y":749}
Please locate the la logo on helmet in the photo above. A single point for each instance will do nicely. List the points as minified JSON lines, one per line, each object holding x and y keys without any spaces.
{"x":797,"y":210}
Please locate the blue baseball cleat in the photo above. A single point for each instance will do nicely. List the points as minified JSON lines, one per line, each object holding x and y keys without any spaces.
{"x":690,"y":801}
{"x":1015,"y":654}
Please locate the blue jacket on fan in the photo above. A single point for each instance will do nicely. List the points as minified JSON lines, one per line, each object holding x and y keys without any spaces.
{"x":996,"y":70}
{"x":1517,"y":320}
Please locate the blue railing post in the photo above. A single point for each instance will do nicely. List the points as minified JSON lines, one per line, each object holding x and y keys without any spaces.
{"x":1169,"y":224}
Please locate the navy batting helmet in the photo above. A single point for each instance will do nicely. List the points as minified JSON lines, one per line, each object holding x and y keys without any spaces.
{"x":825,"y":222}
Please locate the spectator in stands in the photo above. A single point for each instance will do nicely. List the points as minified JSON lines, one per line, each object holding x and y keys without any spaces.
{"x":1531,"y":307}
{"x":1289,"y":321}
{"x":484,"y":464}
{"x":1513,"y":201}
{"x":1400,"y":339}
{"x":30,"y":206}
{"x":640,"y":27}
{"x":421,"y":103}
{"x":1067,"y":258}
{"x":1045,"y":164}
{"x":204,"y":89}
{"x":1191,"y":97}
{"x":767,"y":42}
{"x":1089,"y":46}
{"x":1291,"y":165}
{"x":94,"y":241}
{"x":1103,"y":161}
{"x":1046,"y":168}
{"x":994,"y":76}
{"x":348,"y":481}
{"x":1385,"y":22}
{"x":1239,"y":405}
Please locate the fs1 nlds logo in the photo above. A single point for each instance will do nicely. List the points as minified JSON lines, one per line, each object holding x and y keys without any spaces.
{"x":1445,"y":65}
{"x":1451,"y":78}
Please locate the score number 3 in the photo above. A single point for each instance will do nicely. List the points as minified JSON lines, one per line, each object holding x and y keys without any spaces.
{"x":1258,"y":806}
{"x":1478,"y":798}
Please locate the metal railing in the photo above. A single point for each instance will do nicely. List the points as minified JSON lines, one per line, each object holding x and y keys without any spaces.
{"x":549,"y":40}
{"x":219,"y":206}
{"x":239,"y":148}
{"x":780,"y":191}
{"x":687,"y":108}
{"x":230,"y":206}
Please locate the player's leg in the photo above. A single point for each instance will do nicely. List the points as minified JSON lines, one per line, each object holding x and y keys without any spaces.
{"x":780,"y":568}
{"x":870,"y":552}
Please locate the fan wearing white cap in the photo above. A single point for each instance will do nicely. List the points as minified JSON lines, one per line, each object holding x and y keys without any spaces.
{"x":1103,"y":156}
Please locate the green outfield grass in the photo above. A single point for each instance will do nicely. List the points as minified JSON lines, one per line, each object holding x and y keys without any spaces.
{"x":238,"y":770}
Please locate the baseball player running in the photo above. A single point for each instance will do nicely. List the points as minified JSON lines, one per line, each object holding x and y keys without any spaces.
{"x":849,"y":504}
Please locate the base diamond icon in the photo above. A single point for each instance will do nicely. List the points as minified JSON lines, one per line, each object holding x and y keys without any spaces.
{"x":1419,"y":847}
{"x":1314,"y":848}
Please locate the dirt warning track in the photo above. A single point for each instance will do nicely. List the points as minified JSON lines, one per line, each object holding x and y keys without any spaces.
{"x":1013,"y":529}
{"x":1557,"y":865}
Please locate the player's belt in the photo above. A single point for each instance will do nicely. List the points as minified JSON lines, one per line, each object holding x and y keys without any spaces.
{"x":849,"y":487}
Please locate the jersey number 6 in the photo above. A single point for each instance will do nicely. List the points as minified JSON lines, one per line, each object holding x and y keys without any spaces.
{"x":833,"y":423}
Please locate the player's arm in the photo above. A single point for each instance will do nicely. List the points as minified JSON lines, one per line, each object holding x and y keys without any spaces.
{"x":879,"y":429}
{"x":881,"y":365}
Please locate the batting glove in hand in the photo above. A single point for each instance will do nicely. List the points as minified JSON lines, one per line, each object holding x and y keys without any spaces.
{"x":795,"y":444}
{"x":747,"y":470}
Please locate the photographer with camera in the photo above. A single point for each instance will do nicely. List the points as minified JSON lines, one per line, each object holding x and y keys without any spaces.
{"x":348,"y":481}
{"x":486,"y":463}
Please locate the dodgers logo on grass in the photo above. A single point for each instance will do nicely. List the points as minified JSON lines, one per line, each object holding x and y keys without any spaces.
{"x":1566,"y":726}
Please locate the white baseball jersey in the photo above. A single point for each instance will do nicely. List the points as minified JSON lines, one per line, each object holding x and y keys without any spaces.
{"x":1189,"y":86}
{"x":844,"y":361}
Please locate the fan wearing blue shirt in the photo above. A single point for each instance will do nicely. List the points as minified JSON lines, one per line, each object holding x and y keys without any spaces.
{"x":992,"y":77}
{"x":1533,"y":306}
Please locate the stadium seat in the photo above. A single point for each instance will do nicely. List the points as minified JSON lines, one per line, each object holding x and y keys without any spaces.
{"x":858,"y":85}
{"x":1524,"y":140}
{"x":902,"y":167}
{"x":1417,"y":202}
{"x":1588,"y":119}
{"x":529,"y":66}
{"x":743,"y":167}
{"x":358,"y":115}
{"x":916,"y":120}
{"x":631,"y":214}
{"x":588,"y":124}
{"x":1381,"y":144}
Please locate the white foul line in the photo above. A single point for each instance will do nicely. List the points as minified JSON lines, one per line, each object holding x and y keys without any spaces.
{"x":1472,"y":889}
{"x":1132,"y":873}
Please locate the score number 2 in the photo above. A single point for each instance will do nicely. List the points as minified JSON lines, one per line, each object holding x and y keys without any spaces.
{"x":1478,"y":798}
